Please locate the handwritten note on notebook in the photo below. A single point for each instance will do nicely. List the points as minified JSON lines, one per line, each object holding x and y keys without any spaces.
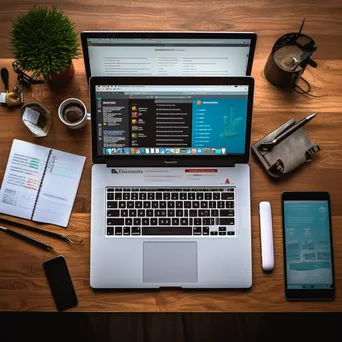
{"x":40,"y":184}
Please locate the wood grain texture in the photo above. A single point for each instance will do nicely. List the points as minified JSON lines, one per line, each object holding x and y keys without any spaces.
{"x":23,"y":285}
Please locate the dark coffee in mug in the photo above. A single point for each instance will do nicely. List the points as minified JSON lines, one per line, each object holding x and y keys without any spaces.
{"x":73,"y":113}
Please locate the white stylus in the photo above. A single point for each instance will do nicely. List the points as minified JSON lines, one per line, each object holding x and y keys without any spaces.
{"x":266,"y":235}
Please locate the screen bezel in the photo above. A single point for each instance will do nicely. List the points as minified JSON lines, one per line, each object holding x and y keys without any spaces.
{"x":158,"y":161}
{"x":171,"y":35}
{"x":307,"y":294}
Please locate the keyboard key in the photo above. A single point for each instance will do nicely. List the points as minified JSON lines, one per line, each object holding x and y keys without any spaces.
{"x":224,"y":213}
{"x":160,"y":213}
{"x":174,"y":196}
{"x":179,"y":204}
{"x":142,"y":196}
{"x":127,"y":231}
{"x":110,"y":190}
{"x":118,"y":230}
{"x":206,"y":221}
{"x":162,"y":204}
{"x":199,"y":196}
{"x":132,"y":213}
{"x":167,"y":230}
{"x":159,"y":196}
{"x":204,"y":204}
{"x":126,"y":196}
{"x":122,"y":205}
{"x":170,"y":204}
{"x":179,"y":213}
{"x":230,"y":204}
{"x":212,"y":205}
{"x":164,"y":221}
{"x":134,"y":196}
{"x":147,"y":205}
{"x":118,"y":196}
{"x":186,"y":213}
{"x":193,"y":213}
{"x":220,"y":204}
{"x":222,"y":229}
{"x":230,"y":233}
{"x":197,"y":221}
{"x":126,"y":190}
{"x":166,"y":196}
{"x":175,"y":221}
{"x":205,"y":230}
{"x":182,"y":196}
{"x":112,"y":204}
{"x":130,"y":204}
{"x":154,"y":221}
{"x":135,"y":230}
{"x":171,"y":213}
{"x":214,"y":212}
{"x":208,"y":196}
{"x":216,"y":196}
{"x":211,"y":221}
{"x":128,"y":221}
{"x":197,"y":230}
{"x":187,"y":204}
{"x":150,"y":196}
{"x":191,"y":196}
{"x":113,"y":213}
{"x":110,"y":196}
{"x":124,"y":213}
{"x":110,"y":230}
{"x":154,"y":204}
{"x":149,"y":213}
{"x":138,"y":204}
{"x":141,"y":213}
{"x":115,"y":221}
{"x":227,"y":195}
{"x":213,"y":233}
{"x":145,"y":221}
{"x":137,"y":221}
{"x":226,"y":221}
{"x":222,"y":233}
{"x":184,"y":221}
{"x":195,"y":204}
{"x":203,"y":212}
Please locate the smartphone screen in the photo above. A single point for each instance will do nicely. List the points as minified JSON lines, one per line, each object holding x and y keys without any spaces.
{"x":308,"y":248}
{"x":60,"y":282}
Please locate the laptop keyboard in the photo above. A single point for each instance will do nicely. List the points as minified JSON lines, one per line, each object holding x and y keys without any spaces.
{"x":170,"y":211}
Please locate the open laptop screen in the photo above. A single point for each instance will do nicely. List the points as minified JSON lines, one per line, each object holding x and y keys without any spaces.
{"x":168,"y":53}
{"x":182,"y":120}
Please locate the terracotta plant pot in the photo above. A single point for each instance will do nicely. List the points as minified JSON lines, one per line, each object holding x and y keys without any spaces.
{"x":63,"y":77}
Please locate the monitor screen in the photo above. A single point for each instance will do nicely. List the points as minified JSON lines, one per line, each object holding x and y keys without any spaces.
{"x":208,"y":120}
{"x":169,"y":56}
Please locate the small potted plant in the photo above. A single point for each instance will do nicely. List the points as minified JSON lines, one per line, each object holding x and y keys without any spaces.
{"x":44,"y":43}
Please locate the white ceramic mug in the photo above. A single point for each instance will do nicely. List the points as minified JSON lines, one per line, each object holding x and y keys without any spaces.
{"x":76,"y":125}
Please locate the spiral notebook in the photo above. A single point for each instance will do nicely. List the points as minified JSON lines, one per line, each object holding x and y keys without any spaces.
{"x":40,"y":183}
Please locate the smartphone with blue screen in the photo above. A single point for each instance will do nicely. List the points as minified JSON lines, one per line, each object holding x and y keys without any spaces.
{"x":307,"y":246}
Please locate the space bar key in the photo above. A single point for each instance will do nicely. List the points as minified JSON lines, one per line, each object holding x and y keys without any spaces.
{"x":164,"y":230}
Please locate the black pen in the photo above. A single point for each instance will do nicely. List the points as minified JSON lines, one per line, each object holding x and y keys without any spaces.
{"x":28,"y":239}
{"x":268,"y":146}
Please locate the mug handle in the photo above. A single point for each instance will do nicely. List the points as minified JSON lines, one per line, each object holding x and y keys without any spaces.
{"x":88,"y":116}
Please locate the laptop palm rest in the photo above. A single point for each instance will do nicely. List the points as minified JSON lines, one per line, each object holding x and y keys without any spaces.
{"x":170,"y":262}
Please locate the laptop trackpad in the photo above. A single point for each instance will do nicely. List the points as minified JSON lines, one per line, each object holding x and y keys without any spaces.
{"x":170,"y":262}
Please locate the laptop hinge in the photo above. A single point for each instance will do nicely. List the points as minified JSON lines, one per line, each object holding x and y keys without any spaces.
{"x":112,"y":164}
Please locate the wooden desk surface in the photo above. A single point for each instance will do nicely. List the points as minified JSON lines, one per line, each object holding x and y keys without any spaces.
{"x":23,"y":285}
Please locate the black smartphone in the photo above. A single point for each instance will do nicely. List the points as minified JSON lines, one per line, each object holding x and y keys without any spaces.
{"x":307,"y":245}
{"x":60,"y":282}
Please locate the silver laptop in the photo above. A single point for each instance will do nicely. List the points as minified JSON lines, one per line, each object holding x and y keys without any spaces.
{"x":128,"y":53}
{"x":170,"y":203}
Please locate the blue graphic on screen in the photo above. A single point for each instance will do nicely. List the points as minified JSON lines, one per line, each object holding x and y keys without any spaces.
{"x":308,"y":252}
{"x":220,"y":122}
